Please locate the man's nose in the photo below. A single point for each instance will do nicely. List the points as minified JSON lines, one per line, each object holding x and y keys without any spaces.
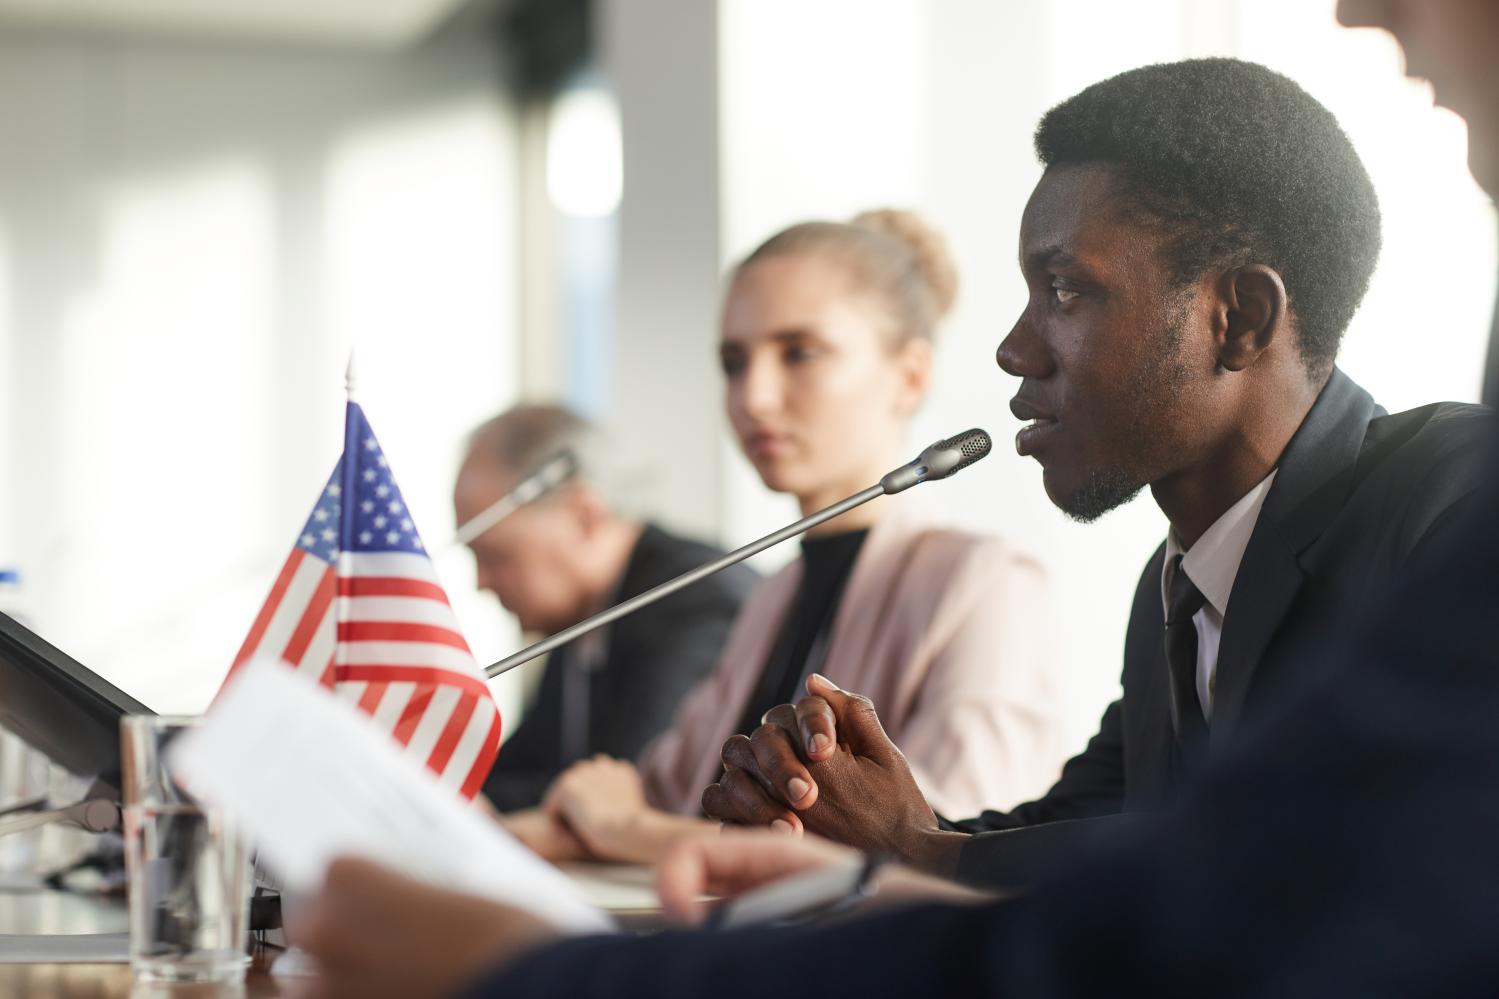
{"x":1023,"y":353}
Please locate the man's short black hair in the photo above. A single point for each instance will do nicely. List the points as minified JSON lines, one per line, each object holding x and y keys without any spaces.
{"x":1238,"y":165}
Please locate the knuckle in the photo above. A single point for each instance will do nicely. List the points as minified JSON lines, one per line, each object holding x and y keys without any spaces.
{"x":713,"y":801}
{"x":749,"y":799}
{"x":766,"y":733}
{"x":732,"y":747}
{"x":782,"y":715}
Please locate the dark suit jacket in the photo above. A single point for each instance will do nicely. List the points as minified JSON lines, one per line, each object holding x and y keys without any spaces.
{"x":1357,"y":493}
{"x":1343,"y":845}
{"x":653,"y":658}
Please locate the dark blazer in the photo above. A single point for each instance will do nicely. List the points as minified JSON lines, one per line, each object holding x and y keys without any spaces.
{"x":652,"y":658}
{"x":1357,"y":493}
{"x":1342,"y":845}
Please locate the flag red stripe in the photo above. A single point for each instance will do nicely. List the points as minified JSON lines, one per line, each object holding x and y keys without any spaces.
{"x":268,"y":610}
{"x":312,"y":618}
{"x":412,"y":716}
{"x":330,"y":672}
{"x":485,"y":760}
{"x":451,"y":733}
{"x":399,"y":631}
{"x":376,"y":673}
{"x":389,"y":586}
{"x":370,"y":700}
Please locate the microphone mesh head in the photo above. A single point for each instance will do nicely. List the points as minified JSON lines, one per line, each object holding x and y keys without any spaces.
{"x":972,"y":444}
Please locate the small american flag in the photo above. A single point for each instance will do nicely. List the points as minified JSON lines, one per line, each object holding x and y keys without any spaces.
{"x":359,"y":604}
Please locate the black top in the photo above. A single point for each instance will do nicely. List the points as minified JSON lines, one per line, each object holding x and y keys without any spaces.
{"x":803,"y":642}
{"x":650,"y":660}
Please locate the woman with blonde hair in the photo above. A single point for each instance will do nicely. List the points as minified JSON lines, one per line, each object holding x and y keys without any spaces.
{"x":826,"y":344}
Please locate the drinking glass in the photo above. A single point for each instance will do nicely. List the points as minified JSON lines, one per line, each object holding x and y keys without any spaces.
{"x":188,"y":867}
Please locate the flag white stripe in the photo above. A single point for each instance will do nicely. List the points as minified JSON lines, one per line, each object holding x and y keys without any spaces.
{"x":304,"y":583}
{"x":388,"y":564}
{"x":397,"y":695}
{"x":469,"y":745}
{"x":429,"y":654}
{"x":413,"y":610}
{"x":434,"y":720}
{"x":351,"y":691}
{"x":324,"y":641}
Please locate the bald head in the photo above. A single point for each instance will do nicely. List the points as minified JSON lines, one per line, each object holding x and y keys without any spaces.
{"x":551,"y":561}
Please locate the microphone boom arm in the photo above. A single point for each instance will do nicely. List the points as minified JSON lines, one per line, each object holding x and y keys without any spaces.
{"x":946,"y":457}
{"x":685,"y":579}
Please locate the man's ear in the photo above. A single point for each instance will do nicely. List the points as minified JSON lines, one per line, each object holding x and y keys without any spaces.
{"x":1255,"y":313}
{"x":586,"y":505}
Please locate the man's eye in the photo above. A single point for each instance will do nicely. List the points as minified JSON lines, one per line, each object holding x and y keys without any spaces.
{"x":797,"y":354}
{"x":1063,"y":295}
{"x":731,"y":365}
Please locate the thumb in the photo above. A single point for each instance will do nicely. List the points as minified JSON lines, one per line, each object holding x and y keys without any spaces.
{"x":858,"y":724}
{"x":727,"y":865}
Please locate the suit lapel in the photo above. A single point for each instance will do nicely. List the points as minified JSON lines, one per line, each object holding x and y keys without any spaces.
{"x":1312,"y":485}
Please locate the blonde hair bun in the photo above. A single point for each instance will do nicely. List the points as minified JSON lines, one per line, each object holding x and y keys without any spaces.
{"x":889,"y":253}
{"x":927,"y":245}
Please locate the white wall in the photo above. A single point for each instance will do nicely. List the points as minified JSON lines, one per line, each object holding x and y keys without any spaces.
{"x":827,"y":108}
{"x":195,"y":233}
{"x":661,"y":59}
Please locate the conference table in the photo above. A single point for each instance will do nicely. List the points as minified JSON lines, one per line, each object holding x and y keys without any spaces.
{"x":624,"y":891}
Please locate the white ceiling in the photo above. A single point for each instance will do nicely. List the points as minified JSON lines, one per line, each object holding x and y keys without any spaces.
{"x":381,"y":23}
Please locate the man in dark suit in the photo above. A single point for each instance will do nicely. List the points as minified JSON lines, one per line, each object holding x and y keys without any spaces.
{"x":1180,"y":335}
{"x":562,"y":557}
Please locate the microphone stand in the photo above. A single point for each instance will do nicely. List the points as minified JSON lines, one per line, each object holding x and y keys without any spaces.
{"x":686,"y":579}
{"x":98,"y":812}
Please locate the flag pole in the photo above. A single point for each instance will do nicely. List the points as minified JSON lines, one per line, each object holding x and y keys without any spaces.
{"x":350,"y":469}
{"x":349,"y":465}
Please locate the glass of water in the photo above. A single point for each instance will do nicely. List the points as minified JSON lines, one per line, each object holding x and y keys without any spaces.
{"x":188,"y":867}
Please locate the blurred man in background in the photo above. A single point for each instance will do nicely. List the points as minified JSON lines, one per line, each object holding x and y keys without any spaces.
{"x":566,"y":555}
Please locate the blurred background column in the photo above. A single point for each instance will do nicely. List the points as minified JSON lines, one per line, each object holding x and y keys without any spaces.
{"x":665,"y":409}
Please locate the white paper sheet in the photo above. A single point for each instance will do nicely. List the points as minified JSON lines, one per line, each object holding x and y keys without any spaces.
{"x":311,"y":779}
{"x":616,"y":888}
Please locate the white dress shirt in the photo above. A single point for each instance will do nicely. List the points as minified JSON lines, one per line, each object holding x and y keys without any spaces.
{"x":1212,"y":564}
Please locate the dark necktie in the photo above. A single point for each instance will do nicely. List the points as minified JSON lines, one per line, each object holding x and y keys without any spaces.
{"x":1183,"y":602}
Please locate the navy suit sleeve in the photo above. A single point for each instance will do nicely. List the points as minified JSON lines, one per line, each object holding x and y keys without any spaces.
{"x":1009,"y":849}
{"x":873,"y":957}
{"x":1092,"y":783}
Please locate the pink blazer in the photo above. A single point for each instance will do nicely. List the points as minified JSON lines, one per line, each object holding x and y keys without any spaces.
{"x":946,"y":631}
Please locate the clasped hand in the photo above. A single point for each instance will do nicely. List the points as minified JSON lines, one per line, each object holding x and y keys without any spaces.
{"x":825,"y":765}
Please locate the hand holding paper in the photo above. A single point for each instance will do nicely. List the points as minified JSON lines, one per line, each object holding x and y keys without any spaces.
{"x":311,"y":780}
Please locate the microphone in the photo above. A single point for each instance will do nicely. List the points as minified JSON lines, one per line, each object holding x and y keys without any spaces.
{"x":548,"y":476}
{"x":944,"y":458}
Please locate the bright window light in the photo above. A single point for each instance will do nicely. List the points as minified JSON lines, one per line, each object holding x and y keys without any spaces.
{"x":585,"y":172}
{"x":166,"y":394}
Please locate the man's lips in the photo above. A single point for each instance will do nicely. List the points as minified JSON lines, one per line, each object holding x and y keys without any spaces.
{"x":1040,"y":425}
